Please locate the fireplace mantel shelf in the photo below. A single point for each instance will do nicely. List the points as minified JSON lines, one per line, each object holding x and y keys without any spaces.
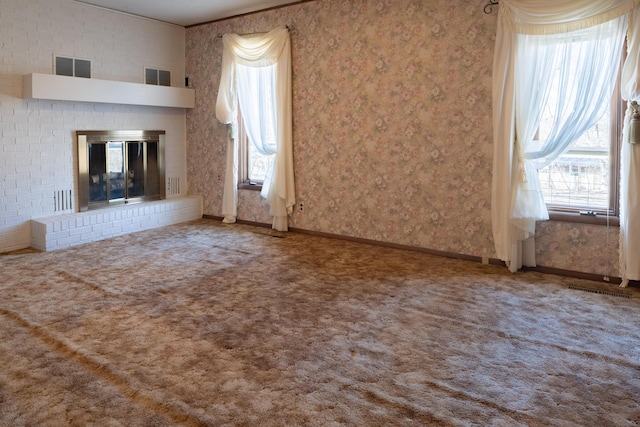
{"x":65,"y":88}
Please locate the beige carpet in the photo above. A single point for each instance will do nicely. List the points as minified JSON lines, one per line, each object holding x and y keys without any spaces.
{"x":223,"y":325}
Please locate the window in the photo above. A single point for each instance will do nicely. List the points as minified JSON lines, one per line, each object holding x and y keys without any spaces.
{"x":252,"y":165}
{"x":256,"y":77}
{"x":256,"y":124}
{"x":585,"y":178}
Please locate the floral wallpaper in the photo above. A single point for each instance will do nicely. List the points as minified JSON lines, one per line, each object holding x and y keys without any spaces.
{"x":392,"y":130}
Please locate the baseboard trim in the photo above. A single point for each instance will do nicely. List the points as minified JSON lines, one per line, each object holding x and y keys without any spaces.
{"x":492,"y":261}
{"x":575,"y":274}
{"x":428,"y":251}
{"x":239,"y":221}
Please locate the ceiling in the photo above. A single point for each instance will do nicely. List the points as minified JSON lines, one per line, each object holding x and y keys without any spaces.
{"x":188,"y":12}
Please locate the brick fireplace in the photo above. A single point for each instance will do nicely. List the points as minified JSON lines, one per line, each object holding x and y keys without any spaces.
{"x":121,"y":189}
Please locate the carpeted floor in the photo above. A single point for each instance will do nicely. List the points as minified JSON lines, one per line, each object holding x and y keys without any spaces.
{"x":230,"y":325}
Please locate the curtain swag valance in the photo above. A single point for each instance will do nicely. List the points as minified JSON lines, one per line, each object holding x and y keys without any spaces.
{"x":541,"y":17}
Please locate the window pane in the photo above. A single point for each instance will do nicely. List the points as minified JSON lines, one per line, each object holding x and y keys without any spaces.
{"x":580,"y":177}
{"x":257,"y":164}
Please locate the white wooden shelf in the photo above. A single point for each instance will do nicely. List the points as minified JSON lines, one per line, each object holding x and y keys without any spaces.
{"x":65,"y":88}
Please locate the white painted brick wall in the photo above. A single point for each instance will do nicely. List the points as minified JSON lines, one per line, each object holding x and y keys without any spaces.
{"x":37,"y":147}
{"x":63,"y":231}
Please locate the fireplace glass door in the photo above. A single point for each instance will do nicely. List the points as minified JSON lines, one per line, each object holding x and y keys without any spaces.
{"x":118,"y":170}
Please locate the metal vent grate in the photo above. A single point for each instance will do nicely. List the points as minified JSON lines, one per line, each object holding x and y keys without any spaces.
{"x":173,"y":186}
{"x":153,"y":76}
{"x":600,"y":291}
{"x":73,"y":67}
{"x":62,"y":200}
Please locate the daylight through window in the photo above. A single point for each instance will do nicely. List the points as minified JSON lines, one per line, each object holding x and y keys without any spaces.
{"x":585,"y":177}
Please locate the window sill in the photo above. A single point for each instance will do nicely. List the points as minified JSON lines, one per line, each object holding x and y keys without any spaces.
{"x":584,"y":219}
{"x":247,"y":186}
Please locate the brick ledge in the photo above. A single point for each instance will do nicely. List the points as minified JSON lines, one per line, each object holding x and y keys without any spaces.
{"x":63,"y":231}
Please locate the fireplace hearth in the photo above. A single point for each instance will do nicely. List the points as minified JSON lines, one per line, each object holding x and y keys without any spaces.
{"x":119,"y":166}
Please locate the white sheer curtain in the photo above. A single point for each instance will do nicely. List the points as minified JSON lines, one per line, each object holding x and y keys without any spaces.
{"x":256,"y":98}
{"x":535,"y":37}
{"x":256,"y":78}
{"x":630,"y":162}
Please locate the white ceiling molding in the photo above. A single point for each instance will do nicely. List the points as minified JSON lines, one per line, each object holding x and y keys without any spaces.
{"x":187,"y":12}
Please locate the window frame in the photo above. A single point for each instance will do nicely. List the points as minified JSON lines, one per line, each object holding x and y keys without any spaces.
{"x":610,"y":215}
{"x":244,"y":183}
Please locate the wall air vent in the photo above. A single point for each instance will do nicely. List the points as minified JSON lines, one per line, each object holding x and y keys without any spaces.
{"x":154,"y":76}
{"x":73,"y":67}
{"x":600,"y":291}
{"x":173,"y":186}
{"x":62,"y":200}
